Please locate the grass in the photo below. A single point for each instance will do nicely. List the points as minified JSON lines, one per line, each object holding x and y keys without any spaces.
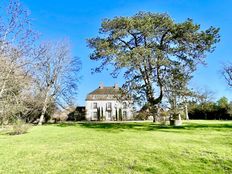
{"x":196,"y":147}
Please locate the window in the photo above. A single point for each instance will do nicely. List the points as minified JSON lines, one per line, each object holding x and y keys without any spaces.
{"x":124,"y":105}
{"x":109,"y":106}
{"x":124,"y":114}
{"x":94,"y":115}
{"x":94,"y":105}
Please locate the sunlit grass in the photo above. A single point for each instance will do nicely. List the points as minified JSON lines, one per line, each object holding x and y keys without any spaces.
{"x":196,"y":147}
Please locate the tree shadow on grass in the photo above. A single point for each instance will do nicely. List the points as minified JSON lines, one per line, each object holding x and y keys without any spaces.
{"x":145,"y":126}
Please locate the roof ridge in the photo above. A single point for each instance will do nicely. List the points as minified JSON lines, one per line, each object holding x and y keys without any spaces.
{"x":106,"y":90}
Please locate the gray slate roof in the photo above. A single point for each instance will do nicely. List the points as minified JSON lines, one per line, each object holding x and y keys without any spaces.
{"x":104,"y":93}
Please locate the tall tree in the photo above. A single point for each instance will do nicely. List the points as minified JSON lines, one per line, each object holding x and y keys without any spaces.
{"x":56,"y":74}
{"x":16,"y":38}
{"x":16,"y":45}
{"x":148,"y":45}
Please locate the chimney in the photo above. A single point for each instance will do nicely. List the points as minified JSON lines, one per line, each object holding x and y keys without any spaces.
{"x":101,"y":85}
{"x":116,"y":86}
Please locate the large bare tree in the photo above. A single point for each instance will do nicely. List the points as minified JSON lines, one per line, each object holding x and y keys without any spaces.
{"x":16,"y":45}
{"x":57,"y":74}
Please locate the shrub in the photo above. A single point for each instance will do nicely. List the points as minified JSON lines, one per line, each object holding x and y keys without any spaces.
{"x":76,"y":116}
{"x":142,"y":115}
{"x":60,"y":117}
{"x":19,"y":127}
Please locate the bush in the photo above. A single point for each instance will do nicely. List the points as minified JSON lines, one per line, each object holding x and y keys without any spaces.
{"x":142,"y":115}
{"x":19,"y":127}
{"x":78,"y":114}
{"x":60,"y":117}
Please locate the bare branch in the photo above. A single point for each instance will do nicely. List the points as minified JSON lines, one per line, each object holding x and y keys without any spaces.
{"x":227,"y":73}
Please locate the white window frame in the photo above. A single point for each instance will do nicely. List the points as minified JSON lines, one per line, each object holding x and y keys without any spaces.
{"x":94,"y":116}
{"x":95,"y":105}
{"x":109,"y":105}
{"x":124,"y":105}
{"x":124,"y":114}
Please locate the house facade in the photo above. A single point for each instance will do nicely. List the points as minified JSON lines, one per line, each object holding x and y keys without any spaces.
{"x":107,"y":103}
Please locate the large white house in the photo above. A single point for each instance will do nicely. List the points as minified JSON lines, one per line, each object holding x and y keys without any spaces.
{"x":106,"y":103}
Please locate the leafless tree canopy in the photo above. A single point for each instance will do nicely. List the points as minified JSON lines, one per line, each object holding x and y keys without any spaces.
{"x":16,"y":45}
{"x":15,"y":28}
{"x":227,"y":73}
{"x":56,"y":73}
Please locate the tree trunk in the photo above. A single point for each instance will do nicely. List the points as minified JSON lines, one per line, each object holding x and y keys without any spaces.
{"x":154,"y":104}
{"x":179,"y":117}
{"x":42,"y":115}
{"x":2,"y":89}
{"x":156,"y":113}
{"x":6,"y":78}
{"x":186,"y":112}
{"x":43,"y":110}
{"x":154,"y":108}
{"x":154,"y":117}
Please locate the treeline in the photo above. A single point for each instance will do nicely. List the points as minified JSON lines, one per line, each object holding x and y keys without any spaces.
{"x":220,"y":110}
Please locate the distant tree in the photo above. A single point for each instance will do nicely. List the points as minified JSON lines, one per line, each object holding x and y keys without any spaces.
{"x":230,"y":109}
{"x":147,"y":46}
{"x":203,"y":105}
{"x":204,"y":95}
{"x":223,"y":102}
{"x":222,"y":109}
{"x":56,"y":74}
{"x":227,"y":73}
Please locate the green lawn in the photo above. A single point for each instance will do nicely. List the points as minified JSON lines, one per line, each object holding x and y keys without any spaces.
{"x":197,"y":147}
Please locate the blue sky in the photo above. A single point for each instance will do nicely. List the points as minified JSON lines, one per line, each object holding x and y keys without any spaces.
{"x":79,"y":20}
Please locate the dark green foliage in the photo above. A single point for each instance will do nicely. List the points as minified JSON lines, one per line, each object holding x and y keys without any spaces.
{"x":220,"y":110}
{"x":76,"y":116}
